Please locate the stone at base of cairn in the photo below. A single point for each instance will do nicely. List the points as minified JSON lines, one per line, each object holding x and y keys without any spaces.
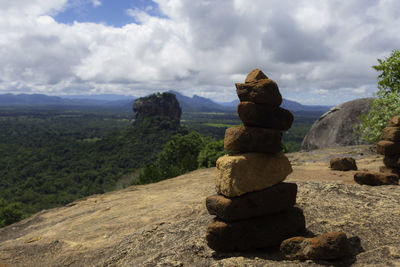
{"x":327,"y":246}
{"x":259,"y":232}
{"x":376,"y":178}
{"x":274,"y":199}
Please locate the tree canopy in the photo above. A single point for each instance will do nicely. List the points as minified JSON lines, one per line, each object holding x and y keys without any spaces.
{"x":387,"y":102}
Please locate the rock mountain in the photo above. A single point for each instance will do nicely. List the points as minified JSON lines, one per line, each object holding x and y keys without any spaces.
{"x":162,"y":224}
{"x":338,"y":126}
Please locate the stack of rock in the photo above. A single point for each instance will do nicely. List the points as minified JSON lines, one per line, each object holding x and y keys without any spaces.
{"x":253,"y":207}
{"x":389,"y":146}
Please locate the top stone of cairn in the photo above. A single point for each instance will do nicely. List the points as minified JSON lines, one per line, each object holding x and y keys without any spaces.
{"x":259,"y":89}
{"x":255,"y":75}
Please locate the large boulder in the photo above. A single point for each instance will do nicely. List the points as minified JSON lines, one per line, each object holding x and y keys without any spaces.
{"x":160,"y":104}
{"x":338,"y":126}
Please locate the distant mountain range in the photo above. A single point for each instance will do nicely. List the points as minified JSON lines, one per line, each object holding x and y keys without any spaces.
{"x":188,"y":104}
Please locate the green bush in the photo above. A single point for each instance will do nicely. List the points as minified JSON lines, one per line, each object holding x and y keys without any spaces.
{"x":387,"y":102}
{"x":210,"y":153}
{"x":10,"y":213}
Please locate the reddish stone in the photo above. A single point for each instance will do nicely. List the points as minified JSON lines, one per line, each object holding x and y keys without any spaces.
{"x":391,"y":134}
{"x":271,"y":200}
{"x":255,"y":75}
{"x":263,"y":91}
{"x":329,"y":246}
{"x":376,"y":178}
{"x":388,"y":147}
{"x":259,"y":232}
{"x":251,"y":139}
{"x":265,"y":116}
{"x":343,"y":164}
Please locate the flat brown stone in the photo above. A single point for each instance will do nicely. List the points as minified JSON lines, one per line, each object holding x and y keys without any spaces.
{"x":329,"y":246}
{"x":388,"y":147}
{"x":268,"y":201}
{"x":391,"y":134}
{"x":343,"y":164}
{"x":255,"y":75}
{"x":265,"y":116}
{"x":263,"y":91}
{"x":395,"y":122}
{"x":259,"y":232}
{"x":392,"y":161}
{"x":376,"y":178}
{"x":249,"y":172}
{"x":252,"y":139}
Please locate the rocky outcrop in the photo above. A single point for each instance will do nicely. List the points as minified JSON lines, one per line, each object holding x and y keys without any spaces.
{"x":337,"y":126}
{"x":160,"y":104}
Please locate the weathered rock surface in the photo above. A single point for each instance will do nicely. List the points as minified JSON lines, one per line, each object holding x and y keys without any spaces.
{"x":259,"y":232}
{"x":264,"y":91}
{"x":264,"y":116}
{"x":376,"y":178}
{"x":343,"y":164}
{"x":248,"y":172}
{"x":271,"y":200}
{"x":337,"y":126}
{"x":255,"y":75}
{"x":391,"y":134}
{"x":388,"y":148}
{"x":252,"y":139}
{"x":160,"y":104}
{"x":163,"y":223}
{"x":327,"y":246}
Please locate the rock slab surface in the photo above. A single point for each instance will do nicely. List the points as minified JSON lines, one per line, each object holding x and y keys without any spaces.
{"x":268,"y":201}
{"x":248,"y":172}
{"x":164,"y":224}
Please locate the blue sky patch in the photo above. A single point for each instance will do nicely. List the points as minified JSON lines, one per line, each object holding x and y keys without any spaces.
{"x":109,"y":12}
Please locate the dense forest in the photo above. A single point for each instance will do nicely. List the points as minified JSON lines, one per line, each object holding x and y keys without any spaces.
{"x":51,"y":156}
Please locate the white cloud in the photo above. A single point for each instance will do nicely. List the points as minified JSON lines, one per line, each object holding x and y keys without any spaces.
{"x":96,"y":3}
{"x":308,"y":46}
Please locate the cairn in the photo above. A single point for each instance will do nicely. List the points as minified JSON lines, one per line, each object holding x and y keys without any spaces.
{"x":253,"y":207}
{"x":389,"y":146}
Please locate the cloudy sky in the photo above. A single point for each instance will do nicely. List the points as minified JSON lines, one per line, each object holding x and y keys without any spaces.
{"x":319,"y":52}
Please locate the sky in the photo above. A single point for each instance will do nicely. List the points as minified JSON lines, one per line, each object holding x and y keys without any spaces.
{"x":319,"y":52}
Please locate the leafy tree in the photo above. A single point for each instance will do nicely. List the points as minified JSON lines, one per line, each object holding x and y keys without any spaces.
{"x":178,"y":156}
{"x":210,"y":153}
{"x":387,"y":102}
{"x":9,"y":213}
